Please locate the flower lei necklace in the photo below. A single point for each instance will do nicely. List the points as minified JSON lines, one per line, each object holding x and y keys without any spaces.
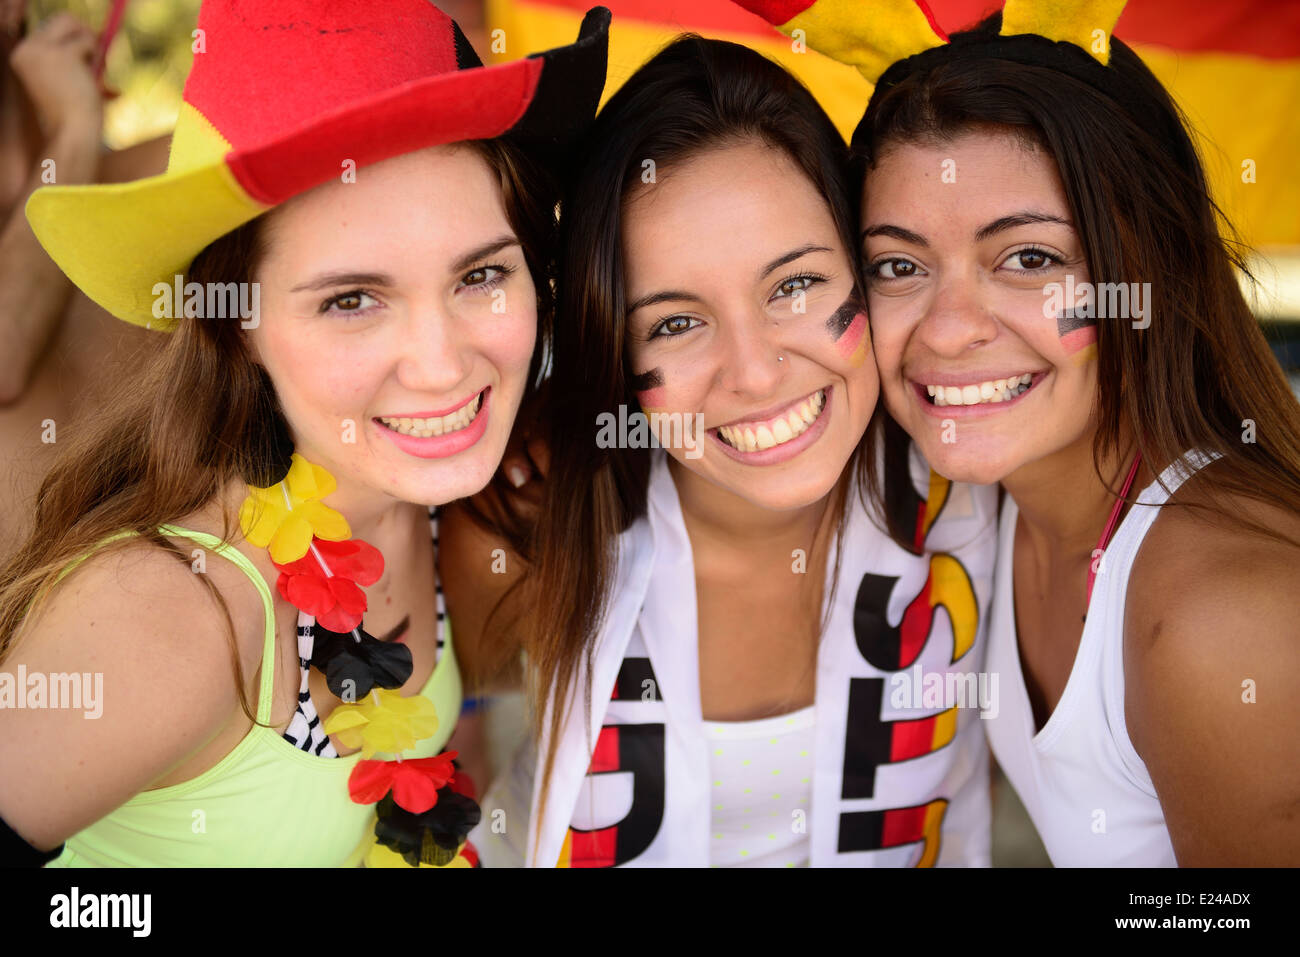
{"x":424,"y":806}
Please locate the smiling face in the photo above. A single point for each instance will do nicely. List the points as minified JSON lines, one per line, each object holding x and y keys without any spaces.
{"x":397,"y":322}
{"x":742,"y":309}
{"x":983,"y":367}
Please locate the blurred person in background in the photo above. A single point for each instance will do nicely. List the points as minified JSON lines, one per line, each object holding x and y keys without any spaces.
{"x":59,"y":347}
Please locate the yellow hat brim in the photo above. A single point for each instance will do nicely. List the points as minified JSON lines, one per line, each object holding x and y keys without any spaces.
{"x":163,"y":222}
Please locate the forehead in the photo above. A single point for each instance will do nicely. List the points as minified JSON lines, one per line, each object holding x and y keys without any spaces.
{"x":965,"y":176}
{"x":443,"y":196}
{"x":732,"y":205}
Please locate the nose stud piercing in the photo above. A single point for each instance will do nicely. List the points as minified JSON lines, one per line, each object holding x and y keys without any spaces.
{"x":780,"y":358}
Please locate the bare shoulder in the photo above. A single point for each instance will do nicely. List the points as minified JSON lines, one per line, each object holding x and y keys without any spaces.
{"x":1192,"y":565}
{"x":139,"y":638}
{"x":1211,"y":660}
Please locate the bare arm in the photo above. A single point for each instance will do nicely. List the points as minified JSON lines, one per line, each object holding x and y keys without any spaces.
{"x":150,"y":638}
{"x":53,"y":67}
{"x":1212,"y":658}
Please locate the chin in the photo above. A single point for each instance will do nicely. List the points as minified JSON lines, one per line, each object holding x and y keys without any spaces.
{"x":786,"y":493}
{"x":966,"y":466}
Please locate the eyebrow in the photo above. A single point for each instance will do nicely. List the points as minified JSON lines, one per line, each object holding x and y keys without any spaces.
{"x":1018,"y":219}
{"x":790,"y":257}
{"x":330,"y":279}
{"x":895,"y":232}
{"x":668,"y":295}
{"x":1001,"y":224}
{"x":482,"y":252}
{"x":380,"y":279}
{"x":676,"y":295}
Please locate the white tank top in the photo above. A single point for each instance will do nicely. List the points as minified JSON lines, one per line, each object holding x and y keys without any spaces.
{"x":1084,"y":786}
{"x":761,"y":790}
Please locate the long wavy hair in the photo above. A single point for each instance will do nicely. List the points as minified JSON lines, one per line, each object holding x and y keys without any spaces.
{"x":203,"y":414}
{"x":695,"y":95}
{"x":1140,"y":201}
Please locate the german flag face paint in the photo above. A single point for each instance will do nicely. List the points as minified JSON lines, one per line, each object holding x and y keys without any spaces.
{"x":649,"y":388}
{"x":848,"y":327}
{"x":1078,"y":336}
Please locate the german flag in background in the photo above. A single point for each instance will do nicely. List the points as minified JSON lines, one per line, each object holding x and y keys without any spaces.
{"x":1233,"y":66}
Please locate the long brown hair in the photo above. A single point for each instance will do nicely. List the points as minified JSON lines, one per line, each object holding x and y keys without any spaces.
{"x":695,"y":95}
{"x":204,"y":414}
{"x":1142,"y":208}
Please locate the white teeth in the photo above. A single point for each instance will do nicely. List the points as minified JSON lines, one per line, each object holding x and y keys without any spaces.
{"x":781,"y":430}
{"x":993,"y":390}
{"x":437,"y":425}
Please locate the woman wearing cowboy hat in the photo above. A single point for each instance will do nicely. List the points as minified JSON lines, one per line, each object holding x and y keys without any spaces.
{"x":348,"y":253}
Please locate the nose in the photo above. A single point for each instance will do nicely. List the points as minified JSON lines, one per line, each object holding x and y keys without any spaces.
{"x":958,"y":318}
{"x":750,"y":362}
{"x":434,"y":353}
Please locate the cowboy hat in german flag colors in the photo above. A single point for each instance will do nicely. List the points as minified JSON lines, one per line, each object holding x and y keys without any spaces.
{"x":282,"y":94}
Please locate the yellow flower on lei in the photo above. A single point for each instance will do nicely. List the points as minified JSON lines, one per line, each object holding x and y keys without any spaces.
{"x":285,"y":516}
{"x":383,"y":721}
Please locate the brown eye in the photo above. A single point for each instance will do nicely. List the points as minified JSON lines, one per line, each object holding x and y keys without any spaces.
{"x":352,"y":301}
{"x":475,"y":278}
{"x":1030,"y":260}
{"x":673,"y":326}
{"x":895,"y":269}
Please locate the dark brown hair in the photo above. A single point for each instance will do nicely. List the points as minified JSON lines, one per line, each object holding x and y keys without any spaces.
{"x":204,"y":414}
{"x":1142,"y":208}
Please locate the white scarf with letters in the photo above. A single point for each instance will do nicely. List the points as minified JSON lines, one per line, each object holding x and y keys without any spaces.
{"x":901,"y":767}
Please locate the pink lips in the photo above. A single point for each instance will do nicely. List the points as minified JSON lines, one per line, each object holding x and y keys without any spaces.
{"x":441,"y":446}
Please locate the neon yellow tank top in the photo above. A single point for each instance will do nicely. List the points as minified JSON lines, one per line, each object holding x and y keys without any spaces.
{"x":265,"y":804}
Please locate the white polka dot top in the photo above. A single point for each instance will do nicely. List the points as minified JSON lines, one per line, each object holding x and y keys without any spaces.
{"x":762,"y":790}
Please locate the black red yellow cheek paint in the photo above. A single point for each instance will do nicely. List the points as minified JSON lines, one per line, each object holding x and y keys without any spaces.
{"x":649,"y":388}
{"x":848,"y":327}
{"x":1078,"y":335}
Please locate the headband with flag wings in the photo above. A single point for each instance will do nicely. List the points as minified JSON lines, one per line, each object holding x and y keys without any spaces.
{"x":888,"y":40}
{"x":873,"y":35}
